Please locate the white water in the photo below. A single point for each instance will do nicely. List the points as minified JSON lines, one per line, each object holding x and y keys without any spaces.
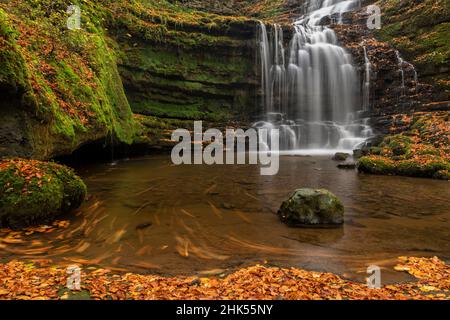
{"x":366,"y":84}
{"x":312,"y":94}
{"x":406,"y":66}
{"x":401,"y":71}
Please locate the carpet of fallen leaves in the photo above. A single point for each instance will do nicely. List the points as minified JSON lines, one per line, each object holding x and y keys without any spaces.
{"x":434,"y":130}
{"x":19,"y":280}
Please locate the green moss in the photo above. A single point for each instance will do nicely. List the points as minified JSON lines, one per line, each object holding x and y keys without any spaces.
{"x":420,"y":32}
{"x":442,"y":175}
{"x":376,"y":150}
{"x":193,"y":112}
{"x":76,"y":86}
{"x":266,"y":9}
{"x":74,"y":189}
{"x":169,"y":81}
{"x":311,"y":207}
{"x":398,"y":145}
{"x":428,"y":150}
{"x":12,"y":71}
{"x":375,"y":165}
{"x":414,"y":168}
{"x":32,"y":192}
{"x":417,"y":167}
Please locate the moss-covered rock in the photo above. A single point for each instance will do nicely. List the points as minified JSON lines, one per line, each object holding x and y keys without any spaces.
{"x":419,"y":151}
{"x":424,"y":167}
{"x":341,"y":156}
{"x":442,"y":175}
{"x":32,"y":191}
{"x":62,"y":86}
{"x":427,"y":168}
{"x":398,"y":146}
{"x":375,"y":165}
{"x":312,"y":207}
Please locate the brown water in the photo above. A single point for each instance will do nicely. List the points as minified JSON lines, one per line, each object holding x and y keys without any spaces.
{"x":147,"y":215}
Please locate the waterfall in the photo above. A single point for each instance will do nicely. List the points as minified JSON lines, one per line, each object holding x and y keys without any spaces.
{"x":401,"y":71}
{"x":265,"y":67}
{"x":405,"y":65}
{"x":312,"y":90}
{"x":366,"y":84}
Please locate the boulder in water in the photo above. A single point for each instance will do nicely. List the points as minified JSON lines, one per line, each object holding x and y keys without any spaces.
{"x":347,"y":165}
{"x":32,"y":192}
{"x":309,"y":207}
{"x":341,"y":156}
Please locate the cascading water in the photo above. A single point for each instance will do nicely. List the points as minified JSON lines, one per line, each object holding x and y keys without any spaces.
{"x":401,"y":70}
{"x":312,"y":94}
{"x":402,"y":64}
{"x":366,"y":84}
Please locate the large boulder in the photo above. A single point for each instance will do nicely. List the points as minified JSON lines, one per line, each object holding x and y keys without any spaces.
{"x":312,"y":207}
{"x":33,"y":192}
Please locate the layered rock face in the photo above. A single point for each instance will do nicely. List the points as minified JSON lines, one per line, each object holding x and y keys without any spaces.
{"x":61,"y":88}
{"x":420,"y":31}
{"x":188,"y":65}
{"x":398,"y":84}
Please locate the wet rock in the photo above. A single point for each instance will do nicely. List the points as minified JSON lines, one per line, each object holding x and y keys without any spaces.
{"x":364,"y":148}
{"x":358,"y":153}
{"x":143,"y":226}
{"x":227,"y":206}
{"x":379,"y":165}
{"x":325,"y":21}
{"x":347,"y":165}
{"x":309,"y":207}
{"x":341,"y":156}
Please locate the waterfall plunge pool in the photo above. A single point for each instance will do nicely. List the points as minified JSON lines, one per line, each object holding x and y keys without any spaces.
{"x":147,"y":215}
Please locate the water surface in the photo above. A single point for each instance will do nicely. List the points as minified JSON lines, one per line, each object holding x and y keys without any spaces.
{"x":147,"y":215}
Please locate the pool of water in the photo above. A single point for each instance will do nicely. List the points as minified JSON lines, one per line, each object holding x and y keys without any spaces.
{"x":147,"y":215}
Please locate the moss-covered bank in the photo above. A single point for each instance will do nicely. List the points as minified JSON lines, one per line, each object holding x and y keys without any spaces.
{"x":62,"y":86}
{"x":33,"y":191}
{"x":421,"y":150}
